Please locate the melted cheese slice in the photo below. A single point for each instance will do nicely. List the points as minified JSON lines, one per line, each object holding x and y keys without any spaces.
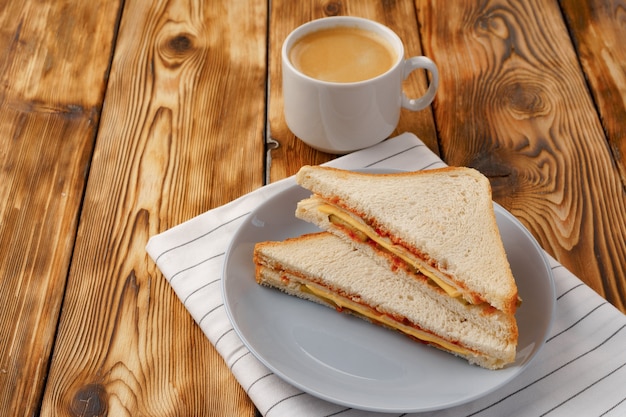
{"x":399,"y":252}
{"x":376,"y":317}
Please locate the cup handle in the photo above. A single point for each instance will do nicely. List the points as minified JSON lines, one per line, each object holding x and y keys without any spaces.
{"x":410,"y":65}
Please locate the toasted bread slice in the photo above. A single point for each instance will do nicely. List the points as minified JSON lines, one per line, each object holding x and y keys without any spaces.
{"x":438,"y":222}
{"x":325,"y":269}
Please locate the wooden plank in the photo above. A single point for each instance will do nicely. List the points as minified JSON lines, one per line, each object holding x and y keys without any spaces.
{"x":53,"y":66}
{"x":173,"y":143}
{"x":514,"y":104}
{"x":286,"y":15}
{"x":598,"y":29}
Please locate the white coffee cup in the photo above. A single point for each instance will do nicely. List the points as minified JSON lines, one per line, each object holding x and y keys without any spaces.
{"x":341,"y":117}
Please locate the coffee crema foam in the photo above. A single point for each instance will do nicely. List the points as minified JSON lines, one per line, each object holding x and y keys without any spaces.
{"x":342,"y":54}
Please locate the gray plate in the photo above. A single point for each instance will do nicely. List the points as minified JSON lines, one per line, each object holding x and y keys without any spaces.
{"x":348,"y":361}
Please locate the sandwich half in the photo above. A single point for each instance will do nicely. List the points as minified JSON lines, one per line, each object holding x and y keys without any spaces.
{"x":323,"y":268}
{"x":437,"y":223}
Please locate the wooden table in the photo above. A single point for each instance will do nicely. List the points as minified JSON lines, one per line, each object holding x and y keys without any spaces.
{"x":121,"y":119}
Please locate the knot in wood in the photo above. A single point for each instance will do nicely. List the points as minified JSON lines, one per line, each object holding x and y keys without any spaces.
{"x":525,"y":100}
{"x":180,"y":44}
{"x":499,"y":27}
{"x":175,"y":49}
{"x":332,"y":8}
{"x":90,"y":401}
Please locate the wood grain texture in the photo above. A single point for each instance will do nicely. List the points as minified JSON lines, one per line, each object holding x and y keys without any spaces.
{"x":513,"y":103}
{"x":50,"y":100}
{"x":181,"y":132}
{"x":598,"y":29}
{"x":290,"y":153}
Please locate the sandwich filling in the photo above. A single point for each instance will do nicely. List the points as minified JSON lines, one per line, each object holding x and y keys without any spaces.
{"x":344,"y":303}
{"x":361,"y":231}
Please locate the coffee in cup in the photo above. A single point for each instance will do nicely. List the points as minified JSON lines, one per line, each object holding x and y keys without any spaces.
{"x":342,"y":83}
{"x":342,"y":54}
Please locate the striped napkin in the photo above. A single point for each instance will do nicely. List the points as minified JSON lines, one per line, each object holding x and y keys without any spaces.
{"x":580,"y":371}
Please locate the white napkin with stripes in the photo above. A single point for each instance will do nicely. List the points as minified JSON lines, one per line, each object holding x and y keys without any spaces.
{"x":580,"y":371}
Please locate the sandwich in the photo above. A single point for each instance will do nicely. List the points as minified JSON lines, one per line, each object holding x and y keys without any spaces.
{"x":326,"y":269}
{"x":437,"y":223}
